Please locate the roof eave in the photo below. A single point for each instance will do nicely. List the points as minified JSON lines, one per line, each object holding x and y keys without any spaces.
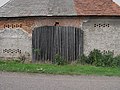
{"x":62,"y":16}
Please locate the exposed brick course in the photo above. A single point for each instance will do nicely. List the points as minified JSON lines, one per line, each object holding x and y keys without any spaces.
{"x":28,"y":24}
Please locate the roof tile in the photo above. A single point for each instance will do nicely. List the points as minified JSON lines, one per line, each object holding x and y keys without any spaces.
{"x":97,"y":7}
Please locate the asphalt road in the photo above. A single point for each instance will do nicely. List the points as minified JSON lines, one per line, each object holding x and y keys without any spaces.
{"x":22,"y":81}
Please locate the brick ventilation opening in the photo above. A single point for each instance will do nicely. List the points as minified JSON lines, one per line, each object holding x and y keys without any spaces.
{"x":11,"y":51}
{"x":101,"y":25}
{"x":13,"y":26}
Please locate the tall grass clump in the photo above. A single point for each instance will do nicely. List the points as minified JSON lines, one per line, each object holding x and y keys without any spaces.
{"x":59,"y":60}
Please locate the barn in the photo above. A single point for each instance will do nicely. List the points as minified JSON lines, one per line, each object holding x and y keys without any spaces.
{"x":40,"y":29}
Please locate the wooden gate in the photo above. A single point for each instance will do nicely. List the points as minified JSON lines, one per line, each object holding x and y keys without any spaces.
{"x":48,"y":41}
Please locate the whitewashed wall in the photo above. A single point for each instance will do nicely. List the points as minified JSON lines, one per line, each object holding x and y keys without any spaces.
{"x":14,"y":42}
{"x":102,"y":33}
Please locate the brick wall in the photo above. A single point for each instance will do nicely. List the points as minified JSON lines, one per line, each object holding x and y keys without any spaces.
{"x":28,"y":24}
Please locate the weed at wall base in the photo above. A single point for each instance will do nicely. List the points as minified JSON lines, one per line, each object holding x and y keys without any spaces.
{"x":58,"y":60}
{"x":99,"y":58}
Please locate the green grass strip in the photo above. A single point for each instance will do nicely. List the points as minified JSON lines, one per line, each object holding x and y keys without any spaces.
{"x":11,"y":66}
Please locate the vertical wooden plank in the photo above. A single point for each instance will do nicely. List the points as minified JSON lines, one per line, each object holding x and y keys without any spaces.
{"x":69,"y":57}
{"x":74,"y":44}
{"x":45,"y":43}
{"x":54,"y":48}
{"x":35,"y":46}
{"x":57,"y":40}
{"x":60,"y":41}
{"x":33,"y":54}
{"x":82,"y":41}
{"x":41,"y":56}
{"x":77,"y":43}
{"x":41,"y":29}
{"x":64,"y":47}
{"x":65,"y":42}
{"x":70,"y":47}
{"x":48,"y":42}
{"x":52,"y":44}
{"x":40,"y":33}
{"x":42,"y":44}
{"x":67,"y":30}
{"x":37,"y":43}
{"x":62,"y":51}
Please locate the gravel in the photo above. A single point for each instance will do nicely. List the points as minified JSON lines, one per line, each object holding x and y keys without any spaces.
{"x":24,"y":81}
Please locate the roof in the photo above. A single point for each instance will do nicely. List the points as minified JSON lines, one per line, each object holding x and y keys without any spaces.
{"x":21,"y":8}
{"x":97,"y":7}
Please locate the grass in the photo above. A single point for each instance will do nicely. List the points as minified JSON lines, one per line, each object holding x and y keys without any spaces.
{"x":12,"y":66}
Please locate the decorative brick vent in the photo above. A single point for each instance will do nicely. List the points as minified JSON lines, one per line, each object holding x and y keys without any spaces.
{"x":11,"y":51}
{"x":13,"y":26}
{"x":101,"y":25}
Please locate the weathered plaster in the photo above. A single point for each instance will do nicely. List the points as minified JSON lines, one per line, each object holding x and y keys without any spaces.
{"x":14,"y":38}
{"x":103,"y":37}
{"x":14,"y":42}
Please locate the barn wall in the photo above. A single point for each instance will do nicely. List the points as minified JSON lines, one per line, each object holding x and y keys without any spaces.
{"x":14,"y":23}
{"x":16,"y":33}
{"x":102,"y":34}
{"x":15,"y":43}
{"x":63,"y":21}
{"x":28,"y":24}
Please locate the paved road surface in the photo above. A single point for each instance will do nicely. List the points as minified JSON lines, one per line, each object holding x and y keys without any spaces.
{"x":21,"y":81}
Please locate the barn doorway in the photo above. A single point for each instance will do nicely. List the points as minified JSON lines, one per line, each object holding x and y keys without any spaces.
{"x":47,"y":41}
